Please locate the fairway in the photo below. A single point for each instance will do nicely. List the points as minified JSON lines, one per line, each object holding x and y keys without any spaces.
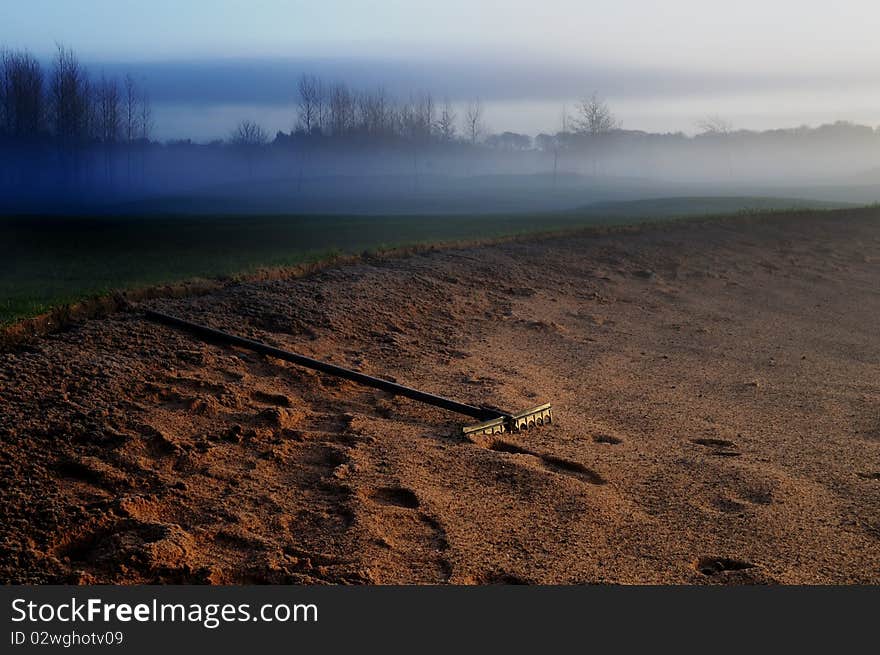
{"x":50,"y":261}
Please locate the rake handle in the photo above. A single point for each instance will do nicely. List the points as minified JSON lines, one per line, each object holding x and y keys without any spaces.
{"x":218,"y":336}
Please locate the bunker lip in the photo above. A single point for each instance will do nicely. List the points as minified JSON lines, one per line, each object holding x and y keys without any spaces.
{"x":712,"y":387}
{"x":26,"y":330}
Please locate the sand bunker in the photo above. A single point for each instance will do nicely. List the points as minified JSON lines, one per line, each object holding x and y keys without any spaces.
{"x":717,"y":420}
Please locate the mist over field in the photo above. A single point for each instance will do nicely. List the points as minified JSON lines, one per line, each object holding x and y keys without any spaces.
{"x":290,"y":174}
{"x":457,"y":124}
{"x":73,"y":140}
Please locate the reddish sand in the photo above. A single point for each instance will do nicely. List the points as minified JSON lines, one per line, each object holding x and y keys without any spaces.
{"x":717,"y":405}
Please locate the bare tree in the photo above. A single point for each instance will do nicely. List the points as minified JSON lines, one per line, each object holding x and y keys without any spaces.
{"x":595,"y":117}
{"x":249,"y":137}
{"x":416,"y":124}
{"x":342,"y":110}
{"x":6,"y":97}
{"x":71,"y":111}
{"x":416,"y":118}
{"x":375,"y":113}
{"x":145,"y":120}
{"x":130,"y":120}
{"x":715,"y":125}
{"x":21,"y":94}
{"x":423,"y":114}
{"x":107,"y":125}
{"x":145,"y":129}
{"x":308,"y":103}
{"x":446,"y":122}
{"x":405,"y":120}
{"x":109,"y":111}
{"x":323,"y":107}
{"x":69,"y":95}
{"x":473,"y":120}
{"x":130,"y":109}
{"x":596,"y":121}
{"x":249,"y":133}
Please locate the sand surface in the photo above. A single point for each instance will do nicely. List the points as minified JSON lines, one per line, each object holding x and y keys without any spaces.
{"x":716,"y":389}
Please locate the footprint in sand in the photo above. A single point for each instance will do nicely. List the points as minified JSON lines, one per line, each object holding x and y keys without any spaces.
{"x":94,"y":472}
{"x":396,"y":496}
{"x":727,"y":505}
{"x":720,"y":447}
{"x":498,"y":577}
{"x":153,"y":551}
{"x":407,"y":536}
{"x":551,"y":462}
{"x":274,"y":399}
{"x":710,"y":566}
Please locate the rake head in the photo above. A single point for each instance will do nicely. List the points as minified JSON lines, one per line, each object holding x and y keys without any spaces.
{"x":530,"y":418}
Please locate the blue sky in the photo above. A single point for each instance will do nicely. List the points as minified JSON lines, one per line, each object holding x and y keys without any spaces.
{"x":663,"y":64}
{"x":776,"y":34}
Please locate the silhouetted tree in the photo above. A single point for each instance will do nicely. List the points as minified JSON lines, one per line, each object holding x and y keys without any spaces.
{"x":130,"y":109}
{"x":109,"y":111}
{"x":595,"y":121}
{"x":473,"y":120}
{"x":69,"y":96}
{"x":145,"y":128}
{"x":130,"y":118}
{"x":21,"y":94}
{"x":309,"y":100}
{"x":446,"y":122}
{"x":323,"y":106}
{"x":145,"y":121}
{"x":595,"y":117}
{"x":248,"y":137}
{"x":376,"y":114}
{"x":424,"y":114}
{"x":71,"y":111}
{"x":249,"y":134}
{"x":342,"y":111}
{"x":108,"y":120}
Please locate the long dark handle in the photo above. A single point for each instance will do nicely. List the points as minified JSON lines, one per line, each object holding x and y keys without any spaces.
{"x":210,"y":334}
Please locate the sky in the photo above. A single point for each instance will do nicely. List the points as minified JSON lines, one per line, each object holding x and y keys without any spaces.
{"x":661,"y":65}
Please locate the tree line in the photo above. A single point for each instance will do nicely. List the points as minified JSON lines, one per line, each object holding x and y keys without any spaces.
{"x":65,"y":131}
{"x":336,"y":112}
{"x":68,"y":106}
{"x":68,"y":132}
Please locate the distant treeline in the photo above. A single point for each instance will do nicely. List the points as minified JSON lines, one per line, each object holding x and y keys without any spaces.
{"x":67,"y":133}
{"x":63,"y":131}
{"x":66,"y":105}
{"x":70,"y":107}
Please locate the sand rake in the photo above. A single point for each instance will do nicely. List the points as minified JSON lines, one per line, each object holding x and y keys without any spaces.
{"x":492,"y":421}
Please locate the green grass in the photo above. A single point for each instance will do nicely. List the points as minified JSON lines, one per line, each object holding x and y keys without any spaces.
{"x":50,"y":261}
